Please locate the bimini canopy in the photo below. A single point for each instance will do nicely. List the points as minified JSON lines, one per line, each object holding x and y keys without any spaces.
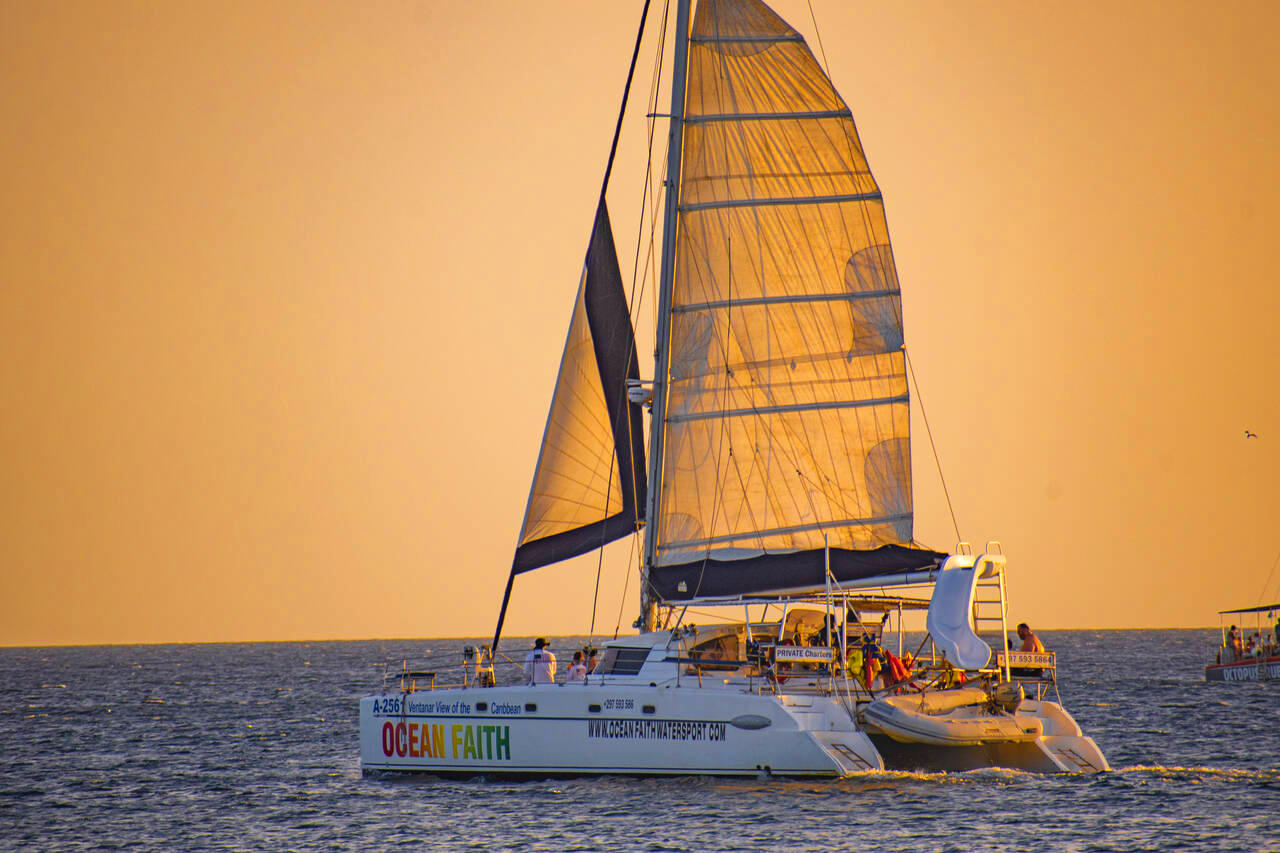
{"x":1262,"y":609}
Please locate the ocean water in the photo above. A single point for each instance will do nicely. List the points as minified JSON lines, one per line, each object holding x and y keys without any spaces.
{"x":253,"y":746}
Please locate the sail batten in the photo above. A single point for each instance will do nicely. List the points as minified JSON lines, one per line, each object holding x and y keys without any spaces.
{"x":794,"y":407}
{"x":776,"y":116}
{"x":788,"y":200}
{"x":798,"y":528}
{"x":777,"y":300}
{"x":744,"y":39}
{"x":786,"y":409}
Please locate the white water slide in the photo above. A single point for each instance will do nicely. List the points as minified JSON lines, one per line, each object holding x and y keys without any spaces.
{"x":950,"y":619}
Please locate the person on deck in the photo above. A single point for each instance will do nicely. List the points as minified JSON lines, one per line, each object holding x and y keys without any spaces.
{"x":829,"y":634}
{"x":577,"y":669}
{"x":540,"y":663}
{"x":1030,"y":642}
{"x":1233,"y":643}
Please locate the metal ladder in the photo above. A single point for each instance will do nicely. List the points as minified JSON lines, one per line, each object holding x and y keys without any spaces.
{"x":990,"y":607}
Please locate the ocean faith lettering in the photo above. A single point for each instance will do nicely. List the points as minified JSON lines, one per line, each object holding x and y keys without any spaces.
{"x":428,"y":740}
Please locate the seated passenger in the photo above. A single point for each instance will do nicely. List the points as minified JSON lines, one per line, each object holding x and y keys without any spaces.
{"x":1030,"y":642}
{"x":577,"y":669}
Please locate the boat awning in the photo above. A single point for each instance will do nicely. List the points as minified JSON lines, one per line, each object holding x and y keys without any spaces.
{"x":1263,"y":609}
{"x":816,"y":596}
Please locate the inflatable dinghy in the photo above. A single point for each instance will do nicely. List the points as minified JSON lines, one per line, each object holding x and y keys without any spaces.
{"x":950,"y":718}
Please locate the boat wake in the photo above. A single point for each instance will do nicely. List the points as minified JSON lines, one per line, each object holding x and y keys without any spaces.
{"x":1229,"y":774}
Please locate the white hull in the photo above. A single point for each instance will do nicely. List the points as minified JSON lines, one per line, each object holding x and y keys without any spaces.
{"x":603,"y":729}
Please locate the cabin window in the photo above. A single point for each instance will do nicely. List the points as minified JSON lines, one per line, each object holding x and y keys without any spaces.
{"x":722,"y":648}
{"x":620,"y":660}
{"x":482,"y":706}
{"x":530,"y":706}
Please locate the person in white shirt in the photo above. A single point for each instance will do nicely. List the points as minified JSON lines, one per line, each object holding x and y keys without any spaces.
{"x":578,"y":669}
{"x":540,"y":664}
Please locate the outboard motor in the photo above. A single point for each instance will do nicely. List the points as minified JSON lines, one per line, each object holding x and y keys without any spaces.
{"x":1008,"y":695}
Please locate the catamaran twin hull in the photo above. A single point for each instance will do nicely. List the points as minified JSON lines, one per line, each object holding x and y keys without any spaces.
{"x":601,"y":729}
{"x":578,"y":729}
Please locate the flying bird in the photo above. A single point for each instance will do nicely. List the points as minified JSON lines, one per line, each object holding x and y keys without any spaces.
{"x":1248,"y":434}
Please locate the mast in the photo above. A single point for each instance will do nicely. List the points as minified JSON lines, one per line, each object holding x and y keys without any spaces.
{"x":661,"y":355}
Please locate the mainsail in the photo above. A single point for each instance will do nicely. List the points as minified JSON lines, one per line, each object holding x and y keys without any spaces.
{"x":786,"y":416}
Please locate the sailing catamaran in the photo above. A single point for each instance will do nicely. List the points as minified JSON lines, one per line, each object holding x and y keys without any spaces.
{"x":776,"y":482}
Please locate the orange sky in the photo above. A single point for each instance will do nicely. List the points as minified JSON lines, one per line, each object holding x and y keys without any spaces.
{"x":283,"y":289}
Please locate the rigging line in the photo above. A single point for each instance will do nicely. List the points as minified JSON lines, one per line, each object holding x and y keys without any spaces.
{"x":664,"y":272}
{"x":637,"y":298}
{"x":655,"y":84}
{"x":613,"y":149}
{"x":717,"y":497}
{"x":770,"y":497}
{"x":728,"y":380}
{"x":626,"y":583}
{"x":813,"y":255}
{"x":867,"y":222}
{"x":929,"y":432}
{"x":621,"y":404}
{"x":595,"y":596}
{"x":626,"y":90}
{"x":1267,"y":584}
{"x":638,"y":290}
{"x":724,"y":77}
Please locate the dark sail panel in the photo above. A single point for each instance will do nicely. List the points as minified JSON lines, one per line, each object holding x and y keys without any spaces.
{"x":590,"y":477}
{"x":778,"y":572}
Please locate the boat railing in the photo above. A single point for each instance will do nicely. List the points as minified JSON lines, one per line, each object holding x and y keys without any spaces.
{"x":409,"y":680}
{"x":1227,"y":654}
{"x":476,"y":670}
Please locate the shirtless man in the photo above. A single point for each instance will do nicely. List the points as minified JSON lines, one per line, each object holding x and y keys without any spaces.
{"x":1030,"y":642}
